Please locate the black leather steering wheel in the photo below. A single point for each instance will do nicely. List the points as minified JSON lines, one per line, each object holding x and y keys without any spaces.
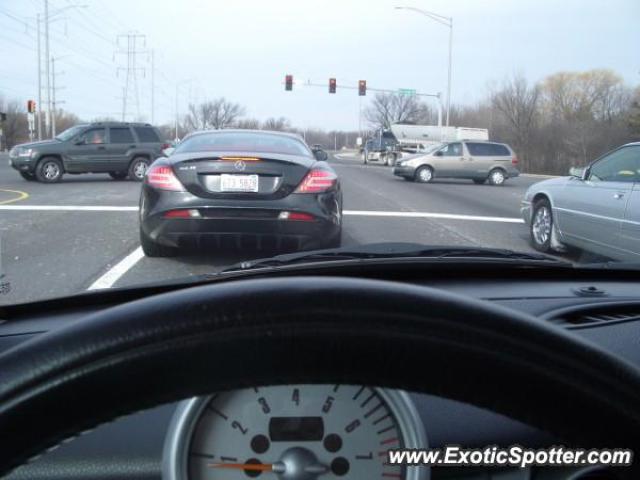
{"x":314,"y":330}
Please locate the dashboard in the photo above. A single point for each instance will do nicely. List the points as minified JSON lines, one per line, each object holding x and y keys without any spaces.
{"x":299,"y":431}
{"x":329,"y":431}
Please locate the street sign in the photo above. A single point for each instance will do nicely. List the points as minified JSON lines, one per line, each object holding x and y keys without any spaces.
{"x":407,"y":92}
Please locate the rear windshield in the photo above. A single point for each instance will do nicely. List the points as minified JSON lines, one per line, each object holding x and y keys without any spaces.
{"x":243,"y":142}
{"x":147,"y":135}
{"x":488,"y":149}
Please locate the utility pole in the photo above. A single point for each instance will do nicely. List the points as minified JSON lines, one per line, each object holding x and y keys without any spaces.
{"x":54,"y":103}
{"x":39,"y":105}
{"x":53,"y":98}
{"x":153,"y":86}
{"x":46,"y":56}
{"x":131,"y":75}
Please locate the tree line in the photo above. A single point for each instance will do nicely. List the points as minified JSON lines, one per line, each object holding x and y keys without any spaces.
{"x":566,"y":119}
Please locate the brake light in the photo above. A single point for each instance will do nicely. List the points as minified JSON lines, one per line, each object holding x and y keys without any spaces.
{"x":165,"y":146}
{"x":296,"y":216}
{"x":162,"y":177}
{"x":182,"y":213}
{"x":514,"y":161}
{"x":317,"y":181}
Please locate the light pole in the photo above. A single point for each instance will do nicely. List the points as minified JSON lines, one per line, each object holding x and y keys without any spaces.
{"x":447,"y":22}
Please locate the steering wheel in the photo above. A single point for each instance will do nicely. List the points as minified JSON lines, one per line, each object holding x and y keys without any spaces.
{"x":312,"y":330}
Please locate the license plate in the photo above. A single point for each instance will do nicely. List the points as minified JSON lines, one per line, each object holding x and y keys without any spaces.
{"x":238,"y":183}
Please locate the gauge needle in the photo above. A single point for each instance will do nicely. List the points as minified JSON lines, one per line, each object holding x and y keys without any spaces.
{"x":250,"y":467}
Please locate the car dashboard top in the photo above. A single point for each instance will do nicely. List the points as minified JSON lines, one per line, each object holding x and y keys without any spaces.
{"x":160,"y":443}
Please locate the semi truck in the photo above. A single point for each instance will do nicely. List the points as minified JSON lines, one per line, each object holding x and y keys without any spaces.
{"x":386,"y":146}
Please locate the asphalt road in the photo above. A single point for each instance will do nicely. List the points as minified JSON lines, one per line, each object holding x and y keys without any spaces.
{"x":55,"y":252}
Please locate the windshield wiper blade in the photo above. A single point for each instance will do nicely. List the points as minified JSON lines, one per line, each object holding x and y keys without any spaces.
{"x":394,"y":250}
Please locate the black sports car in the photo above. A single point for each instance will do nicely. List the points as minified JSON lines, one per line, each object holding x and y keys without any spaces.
{"x":243,"y":189}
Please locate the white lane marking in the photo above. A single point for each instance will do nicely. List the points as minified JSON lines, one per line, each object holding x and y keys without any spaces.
{"x":114,"y":273}
{"x":451,"y":216}
{"x":363,"y":213}
{"x":72,"y":208}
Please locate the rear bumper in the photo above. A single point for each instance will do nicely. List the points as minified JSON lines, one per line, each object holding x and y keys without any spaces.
{"x":241,"y":224}
{"x":512,"y":172}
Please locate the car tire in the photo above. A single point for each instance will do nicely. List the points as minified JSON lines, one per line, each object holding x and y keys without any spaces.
{"x":424,"y":174}
{"x":153,"y":249}
{"x":497,"y":177}
{"x":138,"y":168}
{"x":391,"y":160}
{"x":541,"y":227}
{"x":479,"y":181}
{"x":29,"y":177}
{"x":118,"y":175}
{"x":49,"y":170}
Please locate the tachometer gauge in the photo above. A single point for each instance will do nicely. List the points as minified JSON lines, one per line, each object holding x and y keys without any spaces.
{"x":297,"y":432}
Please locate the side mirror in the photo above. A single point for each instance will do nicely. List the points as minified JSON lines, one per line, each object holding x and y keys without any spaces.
{"x":320,"y":155}
{"x":578,"y":172}
{"x":438,"y":153}
{"x":79,"y":141}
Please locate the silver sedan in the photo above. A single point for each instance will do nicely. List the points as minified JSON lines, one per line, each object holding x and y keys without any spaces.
{"x":596,"y":208}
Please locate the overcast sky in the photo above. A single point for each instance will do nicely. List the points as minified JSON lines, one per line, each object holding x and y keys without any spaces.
{"x":242,"y":49}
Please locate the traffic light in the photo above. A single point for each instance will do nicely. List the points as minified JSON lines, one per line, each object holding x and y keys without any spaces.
{"x":362,"y":88}
{"x":332,"y":85}
{"x":31,"y":106}
{"x":288,"y":82}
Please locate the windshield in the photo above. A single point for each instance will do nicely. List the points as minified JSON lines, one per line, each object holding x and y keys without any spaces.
{"x":242,"y":142}
{"x":302,"y":126}
{"x":69,"y":133}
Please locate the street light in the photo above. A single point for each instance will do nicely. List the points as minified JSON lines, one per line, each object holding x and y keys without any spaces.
{"x":447,"y":22}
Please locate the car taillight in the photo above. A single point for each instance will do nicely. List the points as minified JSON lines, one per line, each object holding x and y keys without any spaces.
{"x":514,"y":161}
{"x":162,"y":177}
{"x":165,"y":146}
{"x":182,"y":213}
{"x":296,"y":216}
{"x":317,"y":181}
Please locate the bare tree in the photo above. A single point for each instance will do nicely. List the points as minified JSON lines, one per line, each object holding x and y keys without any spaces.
{"x":389,"y":108}
{"x":518,"y":101}
{"x":213,"y":114}
{"x":633,"y":120}
{"x":280,"y":124}
{"x":248,"y":124}
{"x":15,"y":128}
{"x":66,"y":120}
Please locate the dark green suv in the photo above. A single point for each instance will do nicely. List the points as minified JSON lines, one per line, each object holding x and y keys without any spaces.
{"x":120,"y":149}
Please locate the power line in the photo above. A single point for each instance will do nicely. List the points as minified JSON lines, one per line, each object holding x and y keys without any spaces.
{"x":131,"y":75}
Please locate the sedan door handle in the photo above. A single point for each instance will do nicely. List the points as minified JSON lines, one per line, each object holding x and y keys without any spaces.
{"x":102,"y":148}
{"x":618,"y":195}
{"x":132,"y":146}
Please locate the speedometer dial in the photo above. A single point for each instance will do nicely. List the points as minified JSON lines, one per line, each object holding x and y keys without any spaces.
{"x":297,"y":432}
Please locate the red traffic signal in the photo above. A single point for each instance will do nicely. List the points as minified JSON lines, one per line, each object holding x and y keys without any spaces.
{"x":362,"y":88}
{"x":31,"y":106}
{"x":332,"y":85}
{"x":288,"y":82}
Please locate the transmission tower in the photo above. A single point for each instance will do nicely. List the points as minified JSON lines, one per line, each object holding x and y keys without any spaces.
{"x":131,"y":50}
